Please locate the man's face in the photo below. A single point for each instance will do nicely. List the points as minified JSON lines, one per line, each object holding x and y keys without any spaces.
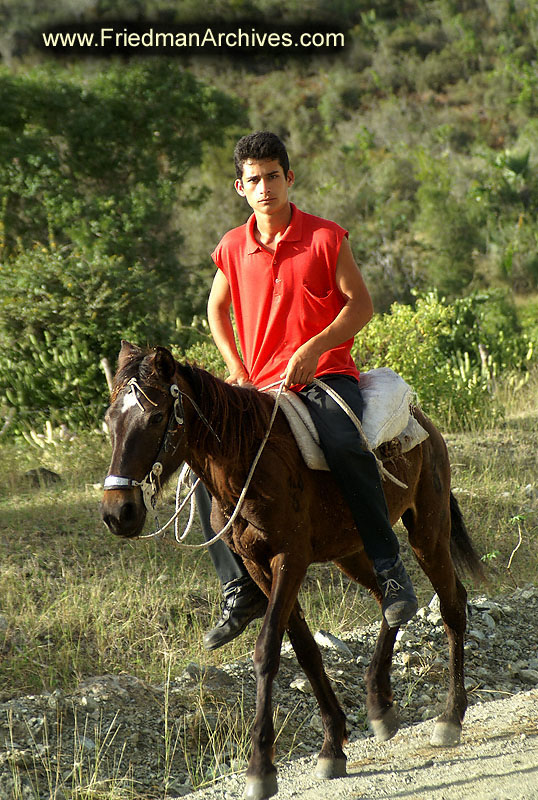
{"x":264,"y":186}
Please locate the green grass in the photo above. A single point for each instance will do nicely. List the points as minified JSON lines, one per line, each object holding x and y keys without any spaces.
{"x":76,"y":601}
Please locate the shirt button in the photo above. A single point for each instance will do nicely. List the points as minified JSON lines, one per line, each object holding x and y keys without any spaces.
{"x":278,"y":280}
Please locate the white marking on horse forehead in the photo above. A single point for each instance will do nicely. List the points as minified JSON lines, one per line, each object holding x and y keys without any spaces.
{"x":129,"y":401}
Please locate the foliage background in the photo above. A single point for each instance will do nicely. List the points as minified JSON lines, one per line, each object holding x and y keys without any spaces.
{"x":420,"y":137}
{"x":115,"y":185}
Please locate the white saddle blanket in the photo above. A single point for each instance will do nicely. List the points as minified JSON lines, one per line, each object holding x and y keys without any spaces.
{"x":387,"y":399}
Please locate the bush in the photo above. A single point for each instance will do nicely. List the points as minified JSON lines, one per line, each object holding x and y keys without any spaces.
{"x":202,"y":351}
{"x":60,"y":313}
{"x":450,"y":354}
{"x":92,"y":169}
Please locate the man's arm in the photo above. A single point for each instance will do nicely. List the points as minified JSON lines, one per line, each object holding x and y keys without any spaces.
{"x":356,"y":313}
{"x":220,"y":324}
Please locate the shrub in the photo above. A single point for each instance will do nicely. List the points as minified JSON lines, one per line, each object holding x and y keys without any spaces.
{"x":450,"y":354}
{"x":60,"y":313}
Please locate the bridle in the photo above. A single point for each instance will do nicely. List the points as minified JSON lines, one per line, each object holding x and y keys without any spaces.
{"x":150,"y":486}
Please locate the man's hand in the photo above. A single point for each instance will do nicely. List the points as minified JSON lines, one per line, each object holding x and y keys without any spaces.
{"x":302,"y":365}
{"x":239,"y":377}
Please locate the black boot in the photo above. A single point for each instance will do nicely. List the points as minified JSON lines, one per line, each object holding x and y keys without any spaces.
{"x":399,"y":599}
{"x":243,"y":602}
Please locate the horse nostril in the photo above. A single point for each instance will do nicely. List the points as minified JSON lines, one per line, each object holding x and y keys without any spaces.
{"x":110,"y":521}
{"x":122,"y":519}
{"x":128,"y":512}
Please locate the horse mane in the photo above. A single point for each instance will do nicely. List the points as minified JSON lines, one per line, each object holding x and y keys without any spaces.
{"x":239,"y":416}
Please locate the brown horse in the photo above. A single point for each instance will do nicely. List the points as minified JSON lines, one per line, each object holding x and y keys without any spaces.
{"x":292,"y":516}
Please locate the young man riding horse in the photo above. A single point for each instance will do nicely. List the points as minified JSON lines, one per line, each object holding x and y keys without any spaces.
{"x":298,"y":299}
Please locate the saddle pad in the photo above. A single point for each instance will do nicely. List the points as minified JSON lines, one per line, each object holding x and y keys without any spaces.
{"x":303,"y":429}
{"x":385,"y":418}
{"x":386,"y":397}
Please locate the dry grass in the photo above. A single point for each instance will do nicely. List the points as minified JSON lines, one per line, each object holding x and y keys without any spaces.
{"x":76,"y":602}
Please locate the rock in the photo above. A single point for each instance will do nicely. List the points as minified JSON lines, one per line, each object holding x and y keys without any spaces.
{"x":301,"y":685}
{"x":316,"y":723}
{"x":208,"y":707}
{"x":330,"y":642}
{"x":528,"y":676}
{"x":477,"y":635}
{"x":192,"y":672}
{"x":42,"y":477}
{"x":86,"y":744}
{"x":488,"y":621}
{"x":404,"y":636}
{"x":511,"y":646}
{"x":525,"y":593}
{"x":435,"y":603}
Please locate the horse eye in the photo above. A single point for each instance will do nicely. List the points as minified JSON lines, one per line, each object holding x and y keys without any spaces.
{"x":156,"y":418}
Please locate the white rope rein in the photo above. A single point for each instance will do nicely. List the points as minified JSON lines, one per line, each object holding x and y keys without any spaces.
{"x":179,"y":508}
{"x":186,"y":471}
{"x":190,"y":496}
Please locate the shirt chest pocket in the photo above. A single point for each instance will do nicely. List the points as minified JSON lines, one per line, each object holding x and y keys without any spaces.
{"x":317,"y":294}
{"x":318,"y":309}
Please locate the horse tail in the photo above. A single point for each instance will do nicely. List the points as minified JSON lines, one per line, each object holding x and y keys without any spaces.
{"x":464,"y":556}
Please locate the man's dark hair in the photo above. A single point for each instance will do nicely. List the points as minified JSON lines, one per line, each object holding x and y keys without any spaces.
{"x":260,"y":146}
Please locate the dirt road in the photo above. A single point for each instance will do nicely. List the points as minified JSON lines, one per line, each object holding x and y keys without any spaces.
{"x":497,"y":760}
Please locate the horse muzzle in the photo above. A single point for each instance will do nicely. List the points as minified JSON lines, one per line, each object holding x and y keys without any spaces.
{"x":123,"y":512}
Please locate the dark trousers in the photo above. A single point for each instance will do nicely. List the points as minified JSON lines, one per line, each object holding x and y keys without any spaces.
{"x":354,"y":470}
{"x":228,"y":565}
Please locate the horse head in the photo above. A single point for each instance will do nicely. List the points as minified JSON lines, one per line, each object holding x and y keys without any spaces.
{"x":146,"y":425}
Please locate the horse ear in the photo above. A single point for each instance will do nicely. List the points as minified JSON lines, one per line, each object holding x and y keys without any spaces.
{"x":127,"y":352}
{"x":164,"y":363}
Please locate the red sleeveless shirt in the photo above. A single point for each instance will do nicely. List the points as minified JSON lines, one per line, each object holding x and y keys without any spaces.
{"x":282,"y":300}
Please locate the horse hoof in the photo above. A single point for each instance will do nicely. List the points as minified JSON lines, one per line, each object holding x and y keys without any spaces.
{"x":331,"y":768}
{"x":385,"y":728}
{"x":261,"y":788}
{"x":446,"y":734}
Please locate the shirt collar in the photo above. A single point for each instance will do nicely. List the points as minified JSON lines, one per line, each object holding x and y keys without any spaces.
{"x":293,"y":232}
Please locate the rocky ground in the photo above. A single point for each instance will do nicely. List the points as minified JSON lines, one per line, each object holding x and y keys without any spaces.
{"x":497,"y":760}
{"x":120,"y":737}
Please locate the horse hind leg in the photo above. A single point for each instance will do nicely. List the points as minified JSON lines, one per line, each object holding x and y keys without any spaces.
{"x":331,"y":759}
{"x":433,"y":554}
{"x":380,"y":708}
{"x":448,"y":726}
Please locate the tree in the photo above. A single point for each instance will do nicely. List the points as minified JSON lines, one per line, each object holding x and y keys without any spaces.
{"x":92,"y":168}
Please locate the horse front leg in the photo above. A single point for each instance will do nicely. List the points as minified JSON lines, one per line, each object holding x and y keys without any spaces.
{"x":287,"y":577}
{"x":332,"y":759}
